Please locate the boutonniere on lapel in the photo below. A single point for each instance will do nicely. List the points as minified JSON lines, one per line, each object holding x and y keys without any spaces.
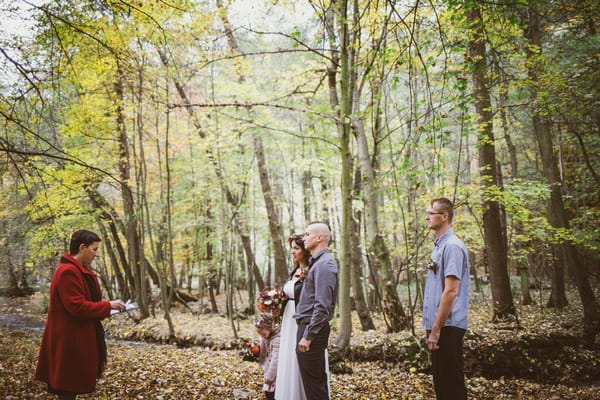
{"x":432,"y":265}
{"x":302,"y":274}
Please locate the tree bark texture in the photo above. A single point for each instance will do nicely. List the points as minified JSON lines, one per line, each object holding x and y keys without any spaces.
{"x":377,"y":250}
{"x":110,"y":217}
{"x":394,"y":314}
{"x":281,"y":269}
{"x":122,"y":286}
{"x":495,"y":240}
{"x":343,"y":127}
{"x":557,"y":215}
{"x":360,"y":302}
{"x":129,"y":208}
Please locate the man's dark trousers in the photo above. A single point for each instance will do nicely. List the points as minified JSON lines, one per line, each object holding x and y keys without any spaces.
{"x":447,"y":365}
{"x":312,"y":364}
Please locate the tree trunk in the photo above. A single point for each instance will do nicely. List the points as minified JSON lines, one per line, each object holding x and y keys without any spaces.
{"x":377,"y":250}
{"x":12,"y":277}
{"x":557,"y":215}
{"x":495,"y":240}
{"x":526,"y":298}
{"x":558,"y":298}
{"x":474,"y":274}
{"x":248,"y":278}
{"x":230,"y":285}
{"x":211,"y":281}
{"x":212,"y":286}
{"x":360,"y":303}
{"x":141,"y":178}
{"x":343,"y":127}
{"x":168,"y":207}
{"x":123,"y":288}
{"x":179,"y":295}
{"x":512,"y":150}
{"x":115,"y":225}
{"x":105,"y":278}
{"x":251,"y":261}
{"x":395,"y":317}
{"x":514,"y":173}
{"x":129,"y":212}
{"x":307,"y":195}
{"x":281,"y":269}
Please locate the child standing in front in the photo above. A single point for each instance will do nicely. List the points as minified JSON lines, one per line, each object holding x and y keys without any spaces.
{"x":269,"y":351}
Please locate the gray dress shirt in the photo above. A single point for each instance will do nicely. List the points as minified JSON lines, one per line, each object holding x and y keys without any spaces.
{"x":317,"y":300}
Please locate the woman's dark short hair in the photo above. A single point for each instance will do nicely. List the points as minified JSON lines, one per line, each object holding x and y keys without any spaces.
{"x":299,"y":240}
{"x":80,"y":237}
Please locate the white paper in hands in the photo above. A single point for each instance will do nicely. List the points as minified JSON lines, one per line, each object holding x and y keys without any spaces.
{"x":129,"y":306}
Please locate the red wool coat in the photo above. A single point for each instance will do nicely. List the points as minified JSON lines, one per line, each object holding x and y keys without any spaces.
{"x":69,"y":355}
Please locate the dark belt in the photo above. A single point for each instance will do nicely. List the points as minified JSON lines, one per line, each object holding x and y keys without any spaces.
{"x":305,"y":320}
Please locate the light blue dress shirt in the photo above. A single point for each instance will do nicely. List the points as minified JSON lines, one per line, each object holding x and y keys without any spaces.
{"x":450,"y":255}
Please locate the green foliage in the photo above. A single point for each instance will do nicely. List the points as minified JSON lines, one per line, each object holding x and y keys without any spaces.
{"x":416,"y":106}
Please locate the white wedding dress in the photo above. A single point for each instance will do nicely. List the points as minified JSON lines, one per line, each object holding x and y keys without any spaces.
{"x":289,"y":382}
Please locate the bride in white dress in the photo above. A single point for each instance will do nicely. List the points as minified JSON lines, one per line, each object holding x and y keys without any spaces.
{"x":289,"y":382}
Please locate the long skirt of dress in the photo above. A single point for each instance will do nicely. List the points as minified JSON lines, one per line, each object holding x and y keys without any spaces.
{"x":289,"y":382}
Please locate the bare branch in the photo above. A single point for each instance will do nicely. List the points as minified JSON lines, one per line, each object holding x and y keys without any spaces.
{"x":301,"y":43}
{"x":23,"y":72}
{"x":8,"y":148}
{"x":250,"y":106}
{"x":257,"y":53}
{"x":286,"y":131}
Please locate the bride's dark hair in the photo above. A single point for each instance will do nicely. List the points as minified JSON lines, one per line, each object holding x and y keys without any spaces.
{"x":299,"y":240}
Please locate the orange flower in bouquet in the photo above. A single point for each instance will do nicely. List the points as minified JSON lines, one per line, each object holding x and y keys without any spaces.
{"x":250,"y":352}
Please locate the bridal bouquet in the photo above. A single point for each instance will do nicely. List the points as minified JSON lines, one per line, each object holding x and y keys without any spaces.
{"x":271,"y":299}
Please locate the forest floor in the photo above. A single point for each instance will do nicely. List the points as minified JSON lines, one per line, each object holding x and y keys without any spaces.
{"x":545,"y":359}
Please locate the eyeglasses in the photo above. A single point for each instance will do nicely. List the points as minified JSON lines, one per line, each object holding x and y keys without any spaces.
{"x":429,"y":213}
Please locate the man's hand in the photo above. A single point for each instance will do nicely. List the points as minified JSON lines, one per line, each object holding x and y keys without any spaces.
{"x":433,"y":338}
{"x":304,"y":345}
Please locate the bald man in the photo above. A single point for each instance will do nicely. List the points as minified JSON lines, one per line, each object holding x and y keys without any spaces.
{"x":314,"y":311}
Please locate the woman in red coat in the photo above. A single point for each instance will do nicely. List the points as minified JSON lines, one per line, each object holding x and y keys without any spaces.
{"x":73,"y":350}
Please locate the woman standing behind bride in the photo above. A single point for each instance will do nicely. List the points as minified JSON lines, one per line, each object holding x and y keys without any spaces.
{"x":289,"y":382}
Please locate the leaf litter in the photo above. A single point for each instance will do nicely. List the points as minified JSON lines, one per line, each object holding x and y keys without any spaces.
{"x":149,"y":371}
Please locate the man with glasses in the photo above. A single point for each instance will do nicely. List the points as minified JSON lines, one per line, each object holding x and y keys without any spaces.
{"x":314,"y":311}
{"x":446,"y":302}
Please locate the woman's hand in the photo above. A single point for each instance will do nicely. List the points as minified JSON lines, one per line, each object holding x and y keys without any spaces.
{"x":117,"y":305}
